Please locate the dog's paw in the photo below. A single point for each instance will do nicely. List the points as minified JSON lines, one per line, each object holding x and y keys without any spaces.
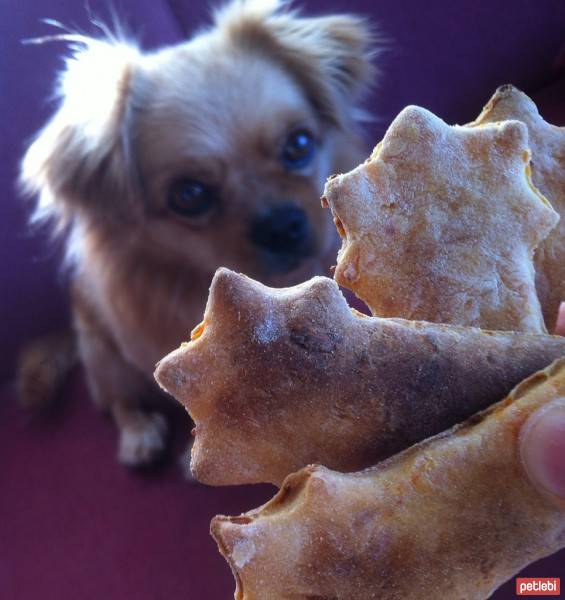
{"x":143,"y":439}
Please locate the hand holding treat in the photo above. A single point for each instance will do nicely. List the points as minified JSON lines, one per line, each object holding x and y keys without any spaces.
{"x":452,"y":517}
{"x":542,"y":448}
{"x":547,"y":143}
{"x":441,"y":224}
{"x":276,"y":379}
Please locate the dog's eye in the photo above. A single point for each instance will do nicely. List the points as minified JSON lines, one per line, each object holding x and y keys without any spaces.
{"x":298,"y":149}
{"x":191,"y":198}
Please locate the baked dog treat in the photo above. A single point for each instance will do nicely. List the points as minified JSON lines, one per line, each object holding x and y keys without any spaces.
{"x":440,"y":224}
{"x":547,"y":143}
{"x":452,"y":517}
{"x":276,"y":379}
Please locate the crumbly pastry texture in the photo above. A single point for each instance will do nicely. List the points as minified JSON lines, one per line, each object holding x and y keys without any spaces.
{"x":441,"y":223}
{"x":452,"y":517}
{"x":276,"y":379}
{"x":547,"y":143}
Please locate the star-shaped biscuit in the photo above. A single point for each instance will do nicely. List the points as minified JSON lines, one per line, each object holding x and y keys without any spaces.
{"x":547,"y":143}
{"x":276,"y":379}
{"x":441,"y":222}
{"x":452,"y":517}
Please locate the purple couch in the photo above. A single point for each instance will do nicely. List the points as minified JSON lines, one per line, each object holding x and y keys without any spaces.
{"x":73,"y":523}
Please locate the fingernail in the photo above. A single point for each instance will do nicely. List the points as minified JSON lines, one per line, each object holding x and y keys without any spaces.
{"x":560,"y":323}
{"x":542,"y":447}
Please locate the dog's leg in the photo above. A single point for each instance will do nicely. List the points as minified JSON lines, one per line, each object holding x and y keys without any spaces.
{"x":143,"y":436}
{"x":43,"y":366}
{"x":118,"y":387}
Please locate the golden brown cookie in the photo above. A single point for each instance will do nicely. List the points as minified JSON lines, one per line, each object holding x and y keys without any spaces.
{"x":276,"y":379}
{"x":452,"y":517}
{"x":547,"y":143}
{"x":440,"y":224}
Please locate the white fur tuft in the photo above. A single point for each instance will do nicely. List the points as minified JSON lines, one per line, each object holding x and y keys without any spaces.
{"x":93,"y":84}
{"x":87,"y":128}
{"x":249,"y":9}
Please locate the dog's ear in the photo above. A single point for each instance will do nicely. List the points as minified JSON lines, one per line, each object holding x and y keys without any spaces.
{"x":331,"y":57}
{"x":81,"y":161}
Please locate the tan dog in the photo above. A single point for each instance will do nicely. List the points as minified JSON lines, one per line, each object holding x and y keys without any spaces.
{"x":163,"y":166}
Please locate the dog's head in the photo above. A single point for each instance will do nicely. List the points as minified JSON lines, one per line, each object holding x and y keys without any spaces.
{"x":215,"y":151}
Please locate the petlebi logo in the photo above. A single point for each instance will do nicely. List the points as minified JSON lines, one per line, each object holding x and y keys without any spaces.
{"x":538,"y":586}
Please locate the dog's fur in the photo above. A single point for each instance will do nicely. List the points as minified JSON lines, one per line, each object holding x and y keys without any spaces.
{"x":216,"y":108}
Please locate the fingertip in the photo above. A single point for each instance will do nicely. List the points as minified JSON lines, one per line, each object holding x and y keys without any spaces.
{"x":560,"y":323}
{"x":542,"y":448}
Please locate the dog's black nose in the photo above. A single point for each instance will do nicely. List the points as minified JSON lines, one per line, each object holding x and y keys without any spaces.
{"x":284,"y":231}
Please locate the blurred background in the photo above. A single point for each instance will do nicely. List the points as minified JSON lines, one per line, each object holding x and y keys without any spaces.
{"x":74,"y":523}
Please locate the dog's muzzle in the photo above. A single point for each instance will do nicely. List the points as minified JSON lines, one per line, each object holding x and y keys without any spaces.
{"x":284,"y":235}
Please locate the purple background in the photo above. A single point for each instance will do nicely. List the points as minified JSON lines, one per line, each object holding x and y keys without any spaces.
{"x":447,"y":56}
{"x":73,"y":523}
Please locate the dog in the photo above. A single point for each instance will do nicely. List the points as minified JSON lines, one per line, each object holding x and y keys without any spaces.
{"x":159,"y":167}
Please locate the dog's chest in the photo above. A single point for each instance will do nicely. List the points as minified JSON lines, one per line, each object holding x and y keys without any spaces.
{"x":145,"y":319}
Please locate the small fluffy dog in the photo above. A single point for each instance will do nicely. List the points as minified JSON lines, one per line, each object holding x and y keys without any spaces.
{"x":160,"y":167}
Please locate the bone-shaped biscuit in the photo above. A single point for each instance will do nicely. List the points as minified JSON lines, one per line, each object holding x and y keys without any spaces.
{"x":547,"y":143}
{"x":440,"y":224}
{"x":452,"y":517}
{"x":276,"y":379}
